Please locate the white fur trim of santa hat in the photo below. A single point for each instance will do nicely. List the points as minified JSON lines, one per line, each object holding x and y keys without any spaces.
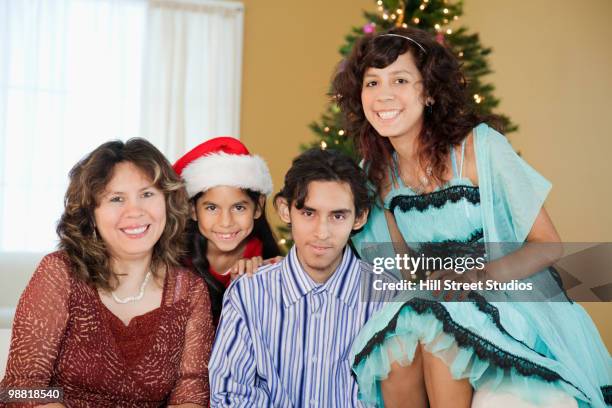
{"x":222,"y":169}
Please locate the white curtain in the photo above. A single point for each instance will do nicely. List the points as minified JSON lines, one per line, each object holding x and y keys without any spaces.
{"x":70,"y":74}
{"x":77,"y":73}
{"x":193,"y":69}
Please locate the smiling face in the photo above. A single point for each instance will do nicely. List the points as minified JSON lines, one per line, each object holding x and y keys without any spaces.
{"x":131,"y":213}
{"x":321,"y":229}
{"x":225,"y":216}
{"x":393,"y":99}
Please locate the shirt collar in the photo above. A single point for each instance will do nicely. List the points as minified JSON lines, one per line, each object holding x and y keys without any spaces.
{"x":343,"y":284}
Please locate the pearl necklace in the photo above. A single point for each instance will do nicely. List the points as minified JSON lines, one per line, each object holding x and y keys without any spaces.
{"x":133,"y":298}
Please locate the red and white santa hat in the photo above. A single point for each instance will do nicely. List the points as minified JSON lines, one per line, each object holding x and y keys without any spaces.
{"x":223,"y":161}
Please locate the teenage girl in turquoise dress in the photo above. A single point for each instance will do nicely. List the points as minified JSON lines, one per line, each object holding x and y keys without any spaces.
{"x":442,"y":175}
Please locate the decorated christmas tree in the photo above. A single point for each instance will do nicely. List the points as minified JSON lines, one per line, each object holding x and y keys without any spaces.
{"x":440,"y":17}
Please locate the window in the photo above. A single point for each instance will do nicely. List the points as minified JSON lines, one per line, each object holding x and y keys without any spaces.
{"x":77,"y":73}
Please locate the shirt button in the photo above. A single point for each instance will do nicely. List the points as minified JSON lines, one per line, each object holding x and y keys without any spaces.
{"x":314,"y":360}
{"x":313,"y":402}
{"x":316,"y":315}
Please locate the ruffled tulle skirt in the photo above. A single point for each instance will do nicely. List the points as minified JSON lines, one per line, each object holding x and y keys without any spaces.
{"x":538,"y":352}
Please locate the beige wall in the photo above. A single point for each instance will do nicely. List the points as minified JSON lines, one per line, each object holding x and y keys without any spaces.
{"x":553,"y":64}
{"x":553,"y":72}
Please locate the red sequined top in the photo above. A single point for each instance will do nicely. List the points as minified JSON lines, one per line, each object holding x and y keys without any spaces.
{"x":64,"y":336}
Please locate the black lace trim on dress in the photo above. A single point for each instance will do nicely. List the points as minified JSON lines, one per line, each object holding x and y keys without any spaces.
{"x":487,"y":308}
{"x":435,"y":199}
{"x":607,"y":394}
{"x":484,"y":349}
{"x":475,"y":236}
{"x":472,"y":246}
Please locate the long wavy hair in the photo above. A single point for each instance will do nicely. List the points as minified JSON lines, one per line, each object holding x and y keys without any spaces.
{"x":447,"y":122}
{"x":88,"y":253}
{"x":198,"y":245}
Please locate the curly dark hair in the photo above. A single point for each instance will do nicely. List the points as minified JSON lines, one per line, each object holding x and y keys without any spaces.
{"x":198,"y":245}
{"x":447,"y":123}
{"x":76,"y":229}
{"x":324,"y":165}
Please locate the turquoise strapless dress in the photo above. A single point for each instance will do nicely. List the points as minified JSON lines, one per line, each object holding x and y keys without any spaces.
{"x":500,"y":345}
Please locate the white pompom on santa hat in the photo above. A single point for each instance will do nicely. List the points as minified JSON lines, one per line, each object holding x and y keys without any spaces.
{"x":223,"y":161}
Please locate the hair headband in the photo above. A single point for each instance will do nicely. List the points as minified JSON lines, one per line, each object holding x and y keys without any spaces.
{"x":407,"y":38}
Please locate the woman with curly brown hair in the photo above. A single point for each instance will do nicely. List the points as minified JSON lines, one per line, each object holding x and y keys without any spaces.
{"x":112,"y":318}
{"x":442,"y":175}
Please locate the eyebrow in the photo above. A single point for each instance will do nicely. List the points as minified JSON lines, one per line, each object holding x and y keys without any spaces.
{"x":243,"y":202}
{"x":338,"y":211}
{"x":399,"y":71}
{"x":402,"y":71}
{"x":123,"y":192}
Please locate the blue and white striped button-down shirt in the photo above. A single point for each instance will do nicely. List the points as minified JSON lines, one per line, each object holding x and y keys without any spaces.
{"x":284,"y":340}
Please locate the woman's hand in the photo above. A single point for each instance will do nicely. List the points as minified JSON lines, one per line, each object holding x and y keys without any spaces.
{"x":472,"y":276}
{"x":249,"y":266}
{"x":443,"y":275}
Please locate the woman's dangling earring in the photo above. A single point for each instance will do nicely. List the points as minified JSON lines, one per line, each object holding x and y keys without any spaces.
{"x":429,"y":105}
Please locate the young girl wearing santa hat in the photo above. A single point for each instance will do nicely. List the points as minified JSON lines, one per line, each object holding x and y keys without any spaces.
{"x":228,"y":233}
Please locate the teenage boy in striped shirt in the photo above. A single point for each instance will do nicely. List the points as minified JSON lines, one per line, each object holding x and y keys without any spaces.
{"x":285,"y":333}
